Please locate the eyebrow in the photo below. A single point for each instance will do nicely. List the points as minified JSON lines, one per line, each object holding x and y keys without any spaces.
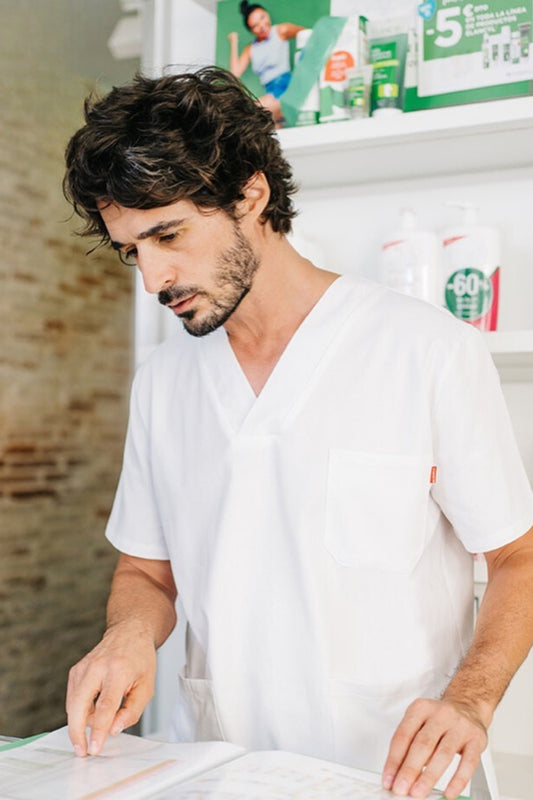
{"x":161,"y":227}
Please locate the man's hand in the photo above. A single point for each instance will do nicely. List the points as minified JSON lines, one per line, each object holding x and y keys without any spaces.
{"x":109,"y":688}
{"x":430,"y":734}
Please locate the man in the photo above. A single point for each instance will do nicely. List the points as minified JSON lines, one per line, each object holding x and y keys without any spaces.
{"x":311,"y":467}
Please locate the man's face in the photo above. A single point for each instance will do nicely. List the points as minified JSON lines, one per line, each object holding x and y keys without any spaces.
{"x":200,"y":264}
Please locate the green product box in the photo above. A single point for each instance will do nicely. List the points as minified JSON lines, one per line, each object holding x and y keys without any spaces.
{"x":465,"y":52}
{"x":349,"y":50}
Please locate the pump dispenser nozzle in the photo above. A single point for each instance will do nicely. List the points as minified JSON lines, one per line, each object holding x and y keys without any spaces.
{"x":408,"y":219}
{"x":470,"y":211}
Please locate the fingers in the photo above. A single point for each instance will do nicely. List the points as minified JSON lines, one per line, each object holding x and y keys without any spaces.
{"x":91,"y":699}
{"x":132,"y":707}
{"x":103,"y":694}
{"x":424,"y":745}
{"x":467,"y":766}
{"x":400,"y":744}
{"x":79,"y":708}
{"x":440,"y":761}
{"x":105,"y":711}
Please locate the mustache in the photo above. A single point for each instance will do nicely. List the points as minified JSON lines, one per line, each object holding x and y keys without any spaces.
{"x":172,"y":293}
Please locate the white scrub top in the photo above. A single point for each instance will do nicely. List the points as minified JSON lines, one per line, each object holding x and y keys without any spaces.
{"x":320,"y":534}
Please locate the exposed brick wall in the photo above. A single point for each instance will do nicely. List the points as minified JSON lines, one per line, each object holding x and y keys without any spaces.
{"x":65,"y":368}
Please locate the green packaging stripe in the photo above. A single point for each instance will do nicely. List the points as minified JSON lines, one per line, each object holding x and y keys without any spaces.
{"x":391,"y":62}
{"x":20,"y":742}
{"x":307,"y":71}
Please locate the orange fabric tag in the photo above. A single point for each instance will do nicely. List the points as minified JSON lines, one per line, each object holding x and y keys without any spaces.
{"x":433,"y":476}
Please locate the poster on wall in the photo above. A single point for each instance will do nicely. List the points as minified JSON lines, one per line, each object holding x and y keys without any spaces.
{"x":468,"y":45}
{"x":258,"y":42}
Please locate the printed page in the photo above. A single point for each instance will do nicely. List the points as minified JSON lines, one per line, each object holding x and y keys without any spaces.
{"x":128,"y":768}
{"x":281,"y":776}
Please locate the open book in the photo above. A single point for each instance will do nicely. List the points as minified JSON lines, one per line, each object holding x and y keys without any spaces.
{"x":131,"y":767}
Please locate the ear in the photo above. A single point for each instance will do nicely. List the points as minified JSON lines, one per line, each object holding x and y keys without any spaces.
{"x":256,"y":196}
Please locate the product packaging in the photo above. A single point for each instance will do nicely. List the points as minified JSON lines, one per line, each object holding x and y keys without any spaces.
{"x":350,"y":50}
{"x":309,"y":112}
{"x":306,"y":74}
{"x":325,"y":17}
{"x":466,"y":52}
{"x":410,"y":260}
{"x":357,"y":92}
{"x":471,"y":260}
{"x":388,"y":54}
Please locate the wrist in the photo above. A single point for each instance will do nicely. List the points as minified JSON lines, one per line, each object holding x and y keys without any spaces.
{"x":479,"y":709}
{"x":131,"y":628}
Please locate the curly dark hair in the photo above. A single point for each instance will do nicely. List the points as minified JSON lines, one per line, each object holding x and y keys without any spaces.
{"x":198,"y":136}
{"x":246,"y":9}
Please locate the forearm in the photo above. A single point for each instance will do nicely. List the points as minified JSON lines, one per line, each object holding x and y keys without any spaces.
{"x":234,"y":57}
{"x":502,"y":638}
{"x":238,"y":63}
{"x":140,"y":602}
{"x":432,"y":731}
{"x":287,"y":30}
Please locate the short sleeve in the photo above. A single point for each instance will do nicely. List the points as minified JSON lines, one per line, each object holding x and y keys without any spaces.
{"x":481,"y":484}
{"x":134,"y":526}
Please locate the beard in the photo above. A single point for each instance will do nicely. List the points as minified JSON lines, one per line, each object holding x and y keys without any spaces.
{"x":235,"y":269}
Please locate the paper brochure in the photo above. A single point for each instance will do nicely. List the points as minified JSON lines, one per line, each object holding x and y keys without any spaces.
{"x":129,"y":767}
{"x":134,"y":768}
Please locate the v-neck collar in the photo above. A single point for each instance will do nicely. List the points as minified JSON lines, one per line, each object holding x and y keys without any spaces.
{"x":245,"y":413}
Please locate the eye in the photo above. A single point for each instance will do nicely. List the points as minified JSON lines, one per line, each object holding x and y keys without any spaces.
{"x":168,"y":237}
{"x":128,"y":257}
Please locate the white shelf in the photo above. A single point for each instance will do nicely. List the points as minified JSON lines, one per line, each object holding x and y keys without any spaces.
{"x":512,"y":352}
{"x":459,"y":139}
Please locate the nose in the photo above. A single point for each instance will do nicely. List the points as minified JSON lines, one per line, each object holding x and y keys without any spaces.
{"x":156,"y":269}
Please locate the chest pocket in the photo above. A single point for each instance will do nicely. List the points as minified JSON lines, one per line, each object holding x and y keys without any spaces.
{"x":376,"y":509}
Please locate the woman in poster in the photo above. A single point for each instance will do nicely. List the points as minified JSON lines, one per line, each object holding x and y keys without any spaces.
{"x":268,"y":54}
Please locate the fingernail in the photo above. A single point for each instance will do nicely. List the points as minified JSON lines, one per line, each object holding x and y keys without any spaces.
{"x":117,"y":729}
{"x":78,"y":750}
{"x":400,"y":787}
{"x":93,"y":748}
{"x":387,"y":781}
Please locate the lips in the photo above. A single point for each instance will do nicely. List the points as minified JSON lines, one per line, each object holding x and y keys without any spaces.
{"x":181,"y":305}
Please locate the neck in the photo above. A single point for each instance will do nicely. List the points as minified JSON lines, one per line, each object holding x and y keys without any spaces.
{"x":285,"y":289}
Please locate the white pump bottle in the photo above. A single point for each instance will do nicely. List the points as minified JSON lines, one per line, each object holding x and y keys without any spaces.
{"x":471,"y":262}
{"x":410,"y":260}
